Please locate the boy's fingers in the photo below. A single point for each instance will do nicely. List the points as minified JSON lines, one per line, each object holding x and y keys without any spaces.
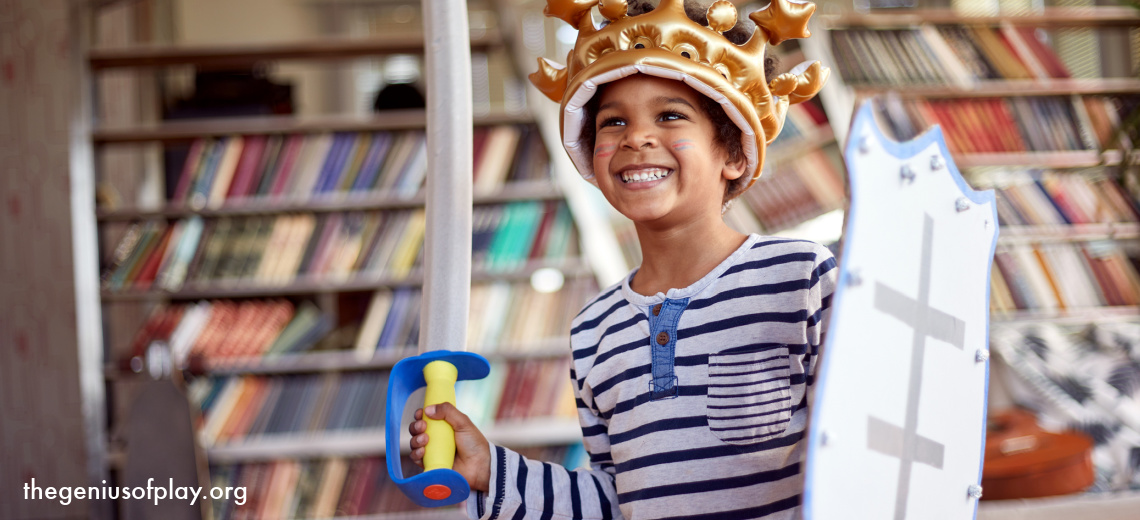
{"x":419,"y":414}
{"x":416,"y":427}
{"x":447,"y":412}
{"x":419,"y":441}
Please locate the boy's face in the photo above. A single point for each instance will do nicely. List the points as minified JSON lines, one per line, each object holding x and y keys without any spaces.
{"x":655,"y":158}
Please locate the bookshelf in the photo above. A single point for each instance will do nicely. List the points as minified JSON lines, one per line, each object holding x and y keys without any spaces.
{"x":229,"y":327}
{"x":1029,"y":104}
{"x":1018,"y":119}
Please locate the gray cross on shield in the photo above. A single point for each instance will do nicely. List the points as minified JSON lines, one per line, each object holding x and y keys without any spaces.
{"x":905,"y":442}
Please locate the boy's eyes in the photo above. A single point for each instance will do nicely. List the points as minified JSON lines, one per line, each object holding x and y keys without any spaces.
{"x":611,"y":121}
{"x":664,"y":116}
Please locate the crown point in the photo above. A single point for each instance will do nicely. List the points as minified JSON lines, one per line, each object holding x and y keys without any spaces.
{"x":613,"y":10}
{"x":784,"y":19}
{"x":722,"y":16}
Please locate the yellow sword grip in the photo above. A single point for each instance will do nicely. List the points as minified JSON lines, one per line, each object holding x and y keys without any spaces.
{"x":440,"y":450}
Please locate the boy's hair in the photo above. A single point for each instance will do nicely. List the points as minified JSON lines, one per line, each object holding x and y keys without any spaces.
{"x":728,"y":135}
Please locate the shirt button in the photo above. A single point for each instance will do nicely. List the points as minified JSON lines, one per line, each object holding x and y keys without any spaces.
{"x":662,"y":338}
{"x":657,"y":309}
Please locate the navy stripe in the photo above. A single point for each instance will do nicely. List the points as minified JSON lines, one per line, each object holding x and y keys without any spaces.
{"x":748,"y":383}
{"x":501,"y":483}
{"x":711,"y":452}
{"x":597,"y":429}
{"x":638,"y":371}
{"x":769,"y":262}
{"x":746,"y":405}
{"x":599,"y":458}
{"x":605,"y":502}
{"x":629,"y":404}
{"x":782,"y":241}
{"x":591,"y":323}
{"x":823,"y":268}
{"x":520,"y":513}
{"x":575,"y":496}
{"x":749,"y":394}
{"x":761,"y":347}
{"x":688,"y":488}
{"x":602,"y":297}
{"x":749,"y":416}
{"x":587,"y":352}
{"x":746,"y":291}
{"x":750,"y":426}
{"x":745,"y":514}
{"x":742,"y":321}
{"x":674,"y":423}
{"x":757,"y":371}
{"x":547,"y":492}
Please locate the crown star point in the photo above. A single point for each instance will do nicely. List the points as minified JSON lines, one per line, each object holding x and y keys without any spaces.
{"x":721,"y":15}
{"x":783,"y":20}
{"x":613,"y":10}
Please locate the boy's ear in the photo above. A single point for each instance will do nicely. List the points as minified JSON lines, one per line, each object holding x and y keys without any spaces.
{"x":734,"y":168}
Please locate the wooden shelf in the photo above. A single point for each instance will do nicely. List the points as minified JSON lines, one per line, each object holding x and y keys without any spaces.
{"x":214,"y":56}
{"x":1049,"y":17}
{"x":187,"y":130}
{"x":346,"y":360}
{"x":512,"y":192}
{"x":339,"y":361}
{"x":1057,"y":160}
{"x":1007,"y":88}
{"x":1069,"y":317}
{"x":571,"y":268}
{"x":1068,"y":233}
{"x":359,"y":443}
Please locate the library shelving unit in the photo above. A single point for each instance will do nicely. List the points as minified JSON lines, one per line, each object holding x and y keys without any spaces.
{"x":1030,"y":107}
{"x":1019,"y":118}
{"x":281,"y":274}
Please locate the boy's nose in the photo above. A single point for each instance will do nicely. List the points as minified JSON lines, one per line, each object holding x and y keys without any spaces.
{"x":637,"y":139}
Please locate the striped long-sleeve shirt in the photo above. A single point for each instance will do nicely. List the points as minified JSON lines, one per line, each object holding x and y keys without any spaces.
{"x":693,"y":404}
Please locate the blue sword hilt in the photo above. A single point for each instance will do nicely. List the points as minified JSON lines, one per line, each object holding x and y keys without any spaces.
{"x":438,"y":485}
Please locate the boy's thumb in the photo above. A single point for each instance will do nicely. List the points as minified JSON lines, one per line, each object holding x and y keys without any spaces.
{"x":448,"y":412}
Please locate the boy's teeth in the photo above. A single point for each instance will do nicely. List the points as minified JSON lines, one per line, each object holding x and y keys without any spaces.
{"x":645,"y":175}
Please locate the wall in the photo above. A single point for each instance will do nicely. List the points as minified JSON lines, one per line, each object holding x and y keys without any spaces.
{"x":41,"y":405}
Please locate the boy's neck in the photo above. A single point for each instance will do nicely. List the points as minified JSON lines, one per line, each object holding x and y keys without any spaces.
{"x":679,"y":256}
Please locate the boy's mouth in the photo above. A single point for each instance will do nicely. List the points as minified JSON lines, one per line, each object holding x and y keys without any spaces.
{"x":644,"y":175}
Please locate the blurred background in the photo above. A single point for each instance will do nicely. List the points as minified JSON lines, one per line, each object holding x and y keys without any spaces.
{"x":212,"y":228}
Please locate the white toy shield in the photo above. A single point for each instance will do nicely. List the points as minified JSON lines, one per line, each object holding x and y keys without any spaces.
{"x":898,"y":425}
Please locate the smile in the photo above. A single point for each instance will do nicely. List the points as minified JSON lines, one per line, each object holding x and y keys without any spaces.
{"x":644,"y":175}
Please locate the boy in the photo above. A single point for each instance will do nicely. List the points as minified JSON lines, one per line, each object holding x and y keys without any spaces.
{"x":691,"y":375}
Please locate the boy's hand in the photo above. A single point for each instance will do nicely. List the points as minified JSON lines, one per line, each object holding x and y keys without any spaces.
{"x":472,"y":456}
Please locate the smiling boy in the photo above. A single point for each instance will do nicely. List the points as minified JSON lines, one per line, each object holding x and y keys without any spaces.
{"x":691,"y":376}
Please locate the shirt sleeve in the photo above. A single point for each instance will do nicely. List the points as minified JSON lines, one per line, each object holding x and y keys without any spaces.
{"x":821,"y":288}
{"x":524,"y":489}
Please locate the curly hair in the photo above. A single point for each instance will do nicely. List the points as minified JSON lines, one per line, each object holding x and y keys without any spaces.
{"x":728,"y":135}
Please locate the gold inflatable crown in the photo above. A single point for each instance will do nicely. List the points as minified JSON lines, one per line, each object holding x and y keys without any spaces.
{"x":665,"y":42}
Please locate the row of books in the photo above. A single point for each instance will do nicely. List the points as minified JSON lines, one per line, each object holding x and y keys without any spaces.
{"x":797,"y":189}
{"x":1062,"y":277}
{"x":251,"y":407}
{"x":944,"y":55}
{"x":1014,"y":124}
{"x":334,"y":487}
{"x":505,"y":317}
{"x":1036,"y":198}
{"x":234,"y":408}
{"x":219,"y":171}
{"x":277,"y":250}
{"x":321,"y":488}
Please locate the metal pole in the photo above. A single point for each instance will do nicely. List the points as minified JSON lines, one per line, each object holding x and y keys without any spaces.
{"x":447,"y":243}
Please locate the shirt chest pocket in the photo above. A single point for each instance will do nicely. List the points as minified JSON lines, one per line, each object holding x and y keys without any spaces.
{"x":749,"y":394}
